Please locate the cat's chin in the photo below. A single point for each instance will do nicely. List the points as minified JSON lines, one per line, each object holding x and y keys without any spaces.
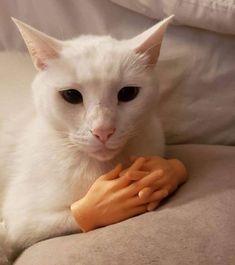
{"x":104,"y":154}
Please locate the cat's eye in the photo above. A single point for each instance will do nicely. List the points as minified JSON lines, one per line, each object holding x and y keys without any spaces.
{"x":128,"y":93}
{"x":72,"y":96}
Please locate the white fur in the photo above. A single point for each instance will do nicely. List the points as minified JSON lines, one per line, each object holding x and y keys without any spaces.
{"x":53,"y":157}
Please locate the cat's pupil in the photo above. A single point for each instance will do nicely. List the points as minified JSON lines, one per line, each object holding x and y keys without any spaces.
{"x":128,"y":93}
{"x":72,"y":96}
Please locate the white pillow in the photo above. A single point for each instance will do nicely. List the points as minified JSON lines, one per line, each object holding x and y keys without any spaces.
{"x":215,"y":15}
{"x":196,"y":69}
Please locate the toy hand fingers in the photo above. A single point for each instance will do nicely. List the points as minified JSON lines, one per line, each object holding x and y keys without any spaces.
{"x":123,"y":172}
{"x":137,"y":210}
{"x":137,"y":201}
{"x":145,"y":193}
{"x":126,"y":177}
{"x":153,"y":205}
{"x":167,"y":183}
{"x":134,"y":167}
{"x":134,"y":202}
{"x":137,"y":164}
{"x":160,"y":183}
{"x":144,"y":182}
{"x":114,"y":173}
{"x":137,"y":175}
{"x":171,"y":187}
{"x":159,"y":195}
{"x":134,"y":205}
{"x":134,"y":158}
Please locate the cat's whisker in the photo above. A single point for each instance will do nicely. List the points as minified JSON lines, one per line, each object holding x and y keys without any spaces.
{"x":62,"y":133}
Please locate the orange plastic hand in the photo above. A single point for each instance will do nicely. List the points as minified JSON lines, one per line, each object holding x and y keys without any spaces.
{"x":173,"y":173}
{"x":112,"y":199}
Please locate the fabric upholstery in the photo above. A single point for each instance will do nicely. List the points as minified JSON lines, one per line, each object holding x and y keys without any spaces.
{"x":195,"y":226}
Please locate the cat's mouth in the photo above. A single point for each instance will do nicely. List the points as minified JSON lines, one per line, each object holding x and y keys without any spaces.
{"x":104,"y":153}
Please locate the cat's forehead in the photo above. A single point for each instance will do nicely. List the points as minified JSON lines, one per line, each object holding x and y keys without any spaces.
{"x":88,"y":43}
{"x":95,"y":57}
{"x":92,"y":49}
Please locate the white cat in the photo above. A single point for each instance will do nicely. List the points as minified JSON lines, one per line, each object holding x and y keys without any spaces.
{"x":94,"y":106}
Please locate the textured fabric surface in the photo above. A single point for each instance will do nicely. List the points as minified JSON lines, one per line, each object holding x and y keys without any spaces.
{"x":195,"y":226}
{"x":215,"y":15}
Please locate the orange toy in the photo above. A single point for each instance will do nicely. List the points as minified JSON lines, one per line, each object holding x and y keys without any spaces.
{"x":173,"y":174}
{"x":119,"y":195}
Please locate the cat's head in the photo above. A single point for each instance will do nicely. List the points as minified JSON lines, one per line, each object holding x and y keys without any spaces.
{"x":97,"y":91}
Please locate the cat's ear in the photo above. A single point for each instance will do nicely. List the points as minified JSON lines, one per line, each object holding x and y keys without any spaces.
{"x":41,"y":46}
{"x":149,"y":42}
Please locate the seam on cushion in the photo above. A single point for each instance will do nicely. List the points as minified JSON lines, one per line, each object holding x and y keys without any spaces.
{"x":213,"y":5}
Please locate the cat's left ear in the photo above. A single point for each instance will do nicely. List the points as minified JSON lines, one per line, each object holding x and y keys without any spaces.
{"x":149,"y":42}
{"x":41,"y":46}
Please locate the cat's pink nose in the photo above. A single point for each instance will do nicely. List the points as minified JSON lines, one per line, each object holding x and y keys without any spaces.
{"x":103,"y":134}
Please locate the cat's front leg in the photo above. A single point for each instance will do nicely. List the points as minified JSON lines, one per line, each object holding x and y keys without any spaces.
{"x":40,"y":226}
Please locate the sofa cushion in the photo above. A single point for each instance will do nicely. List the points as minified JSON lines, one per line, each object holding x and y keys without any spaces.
{"x":195,"y":226}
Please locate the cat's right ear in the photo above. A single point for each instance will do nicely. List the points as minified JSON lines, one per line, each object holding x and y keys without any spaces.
{"x":149,"y":42}
{"x":41,"y":46}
